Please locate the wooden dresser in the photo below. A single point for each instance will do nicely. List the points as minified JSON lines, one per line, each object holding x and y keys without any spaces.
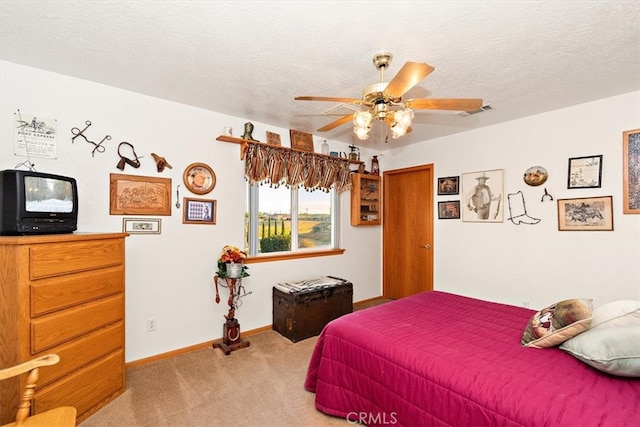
{"x":63,"y":294}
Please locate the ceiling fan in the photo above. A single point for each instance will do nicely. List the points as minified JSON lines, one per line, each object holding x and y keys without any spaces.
{"x":383,"y":100}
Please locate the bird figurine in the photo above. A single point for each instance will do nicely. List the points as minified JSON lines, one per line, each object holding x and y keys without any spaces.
{"x":161,"y":162}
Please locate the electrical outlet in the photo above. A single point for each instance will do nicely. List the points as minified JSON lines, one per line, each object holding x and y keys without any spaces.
{"x":152,"y":324}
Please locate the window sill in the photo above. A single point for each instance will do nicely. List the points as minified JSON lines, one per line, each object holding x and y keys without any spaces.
{"x":292,"y":255}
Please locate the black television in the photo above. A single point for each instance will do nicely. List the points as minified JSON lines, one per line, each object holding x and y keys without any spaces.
{"x":37,"y":203}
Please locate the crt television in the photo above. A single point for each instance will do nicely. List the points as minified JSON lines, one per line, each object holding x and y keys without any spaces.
{"x":37,"y":203}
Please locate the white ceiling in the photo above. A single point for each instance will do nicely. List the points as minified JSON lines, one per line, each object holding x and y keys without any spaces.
{"x":251,"y":58}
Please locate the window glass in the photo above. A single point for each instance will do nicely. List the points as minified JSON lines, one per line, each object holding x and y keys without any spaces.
{"x":314,"y":219}
{"x":274,"y":219}
{"x":270,"y":226}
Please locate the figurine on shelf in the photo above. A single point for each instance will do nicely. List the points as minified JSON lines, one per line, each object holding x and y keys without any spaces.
{"x":248,"y":129}
{"x":354,"y":154}
{"x":375,"y":167}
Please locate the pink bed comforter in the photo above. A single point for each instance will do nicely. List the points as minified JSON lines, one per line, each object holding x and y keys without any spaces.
{"x":443,"y":359}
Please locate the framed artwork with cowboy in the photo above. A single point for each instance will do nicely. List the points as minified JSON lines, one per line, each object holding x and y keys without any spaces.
{"x":483,"y":196}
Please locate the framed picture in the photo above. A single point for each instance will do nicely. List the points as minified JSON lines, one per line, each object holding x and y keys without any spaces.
{"x":199,"y":178}
{"x":483,"y":196}
{"x":301,"y":141}
{"x":199,"y":211}
{"x":631,"y":171}
{"x":273,"y":139}
{"x":585,"y":214}
{"x":142,"y":225}
{"x":449,"y":209}
{"x":448,"y":185}
{"x":139,"y":195}
{"x":585,"y":172}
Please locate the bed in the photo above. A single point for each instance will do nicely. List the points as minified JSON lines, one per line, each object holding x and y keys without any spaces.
{"x":442,"y":359}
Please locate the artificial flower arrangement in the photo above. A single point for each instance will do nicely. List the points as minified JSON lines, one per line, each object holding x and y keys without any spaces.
{"x":231,"y":254}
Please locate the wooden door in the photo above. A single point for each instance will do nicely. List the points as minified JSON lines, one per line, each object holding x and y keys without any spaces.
{"x":407,"y":231}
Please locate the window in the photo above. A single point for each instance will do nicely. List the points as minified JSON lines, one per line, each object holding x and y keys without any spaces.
{"x":282,"y":220}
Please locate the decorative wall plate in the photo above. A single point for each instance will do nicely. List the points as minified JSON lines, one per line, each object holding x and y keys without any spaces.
{"x":199,"y":178}
{"x":535,"y":176}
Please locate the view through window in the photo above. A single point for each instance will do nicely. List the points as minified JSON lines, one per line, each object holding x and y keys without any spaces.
{"x":285,"y":220}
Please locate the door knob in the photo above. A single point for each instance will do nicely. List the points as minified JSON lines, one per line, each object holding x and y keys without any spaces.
{"x":427,"y":246}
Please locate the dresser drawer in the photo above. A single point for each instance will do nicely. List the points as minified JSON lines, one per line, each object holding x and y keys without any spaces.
{"x":53,"y":259}
{"x":58,"y":327}
{"x":86,"y":390}
{"x":60,"y":292}
{"x":82,"y":351}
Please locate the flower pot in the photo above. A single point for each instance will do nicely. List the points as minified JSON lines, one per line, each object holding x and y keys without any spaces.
{"x":234,"y":270}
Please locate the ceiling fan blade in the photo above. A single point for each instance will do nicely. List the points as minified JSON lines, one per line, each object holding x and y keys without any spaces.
{"x":409,"y":75}
{"x":335,"y":124}
{"x":328,"y":98}
{"x":445,"y":104}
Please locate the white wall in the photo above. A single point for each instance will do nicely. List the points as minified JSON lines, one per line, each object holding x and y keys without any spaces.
{"x":169,"y":276}
{"x":537,"y":263}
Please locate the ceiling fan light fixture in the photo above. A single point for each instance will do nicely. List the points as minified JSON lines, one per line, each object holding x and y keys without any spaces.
{"x":404,"y":117}
{"x":362,"y":119}
{"x":399,"y":122}
{"x":398,"y":131}
{"x":362,"y":124}
{"x":361,"y":133}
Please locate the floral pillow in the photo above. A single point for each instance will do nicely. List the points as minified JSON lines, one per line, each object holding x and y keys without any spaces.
{"x":557,"y":323}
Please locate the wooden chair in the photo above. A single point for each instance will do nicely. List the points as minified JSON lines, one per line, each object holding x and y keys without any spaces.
{"x":58,"y":417}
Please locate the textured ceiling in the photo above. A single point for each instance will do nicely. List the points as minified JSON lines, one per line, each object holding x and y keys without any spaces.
{"x":251,"y":58}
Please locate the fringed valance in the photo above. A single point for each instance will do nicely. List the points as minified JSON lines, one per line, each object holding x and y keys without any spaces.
{"x":267,"y":164}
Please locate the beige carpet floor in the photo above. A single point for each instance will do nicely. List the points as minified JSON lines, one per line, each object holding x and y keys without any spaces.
{"x":260,"y":385}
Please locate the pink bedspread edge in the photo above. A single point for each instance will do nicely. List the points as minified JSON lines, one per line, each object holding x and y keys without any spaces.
{"x":443,"y":359}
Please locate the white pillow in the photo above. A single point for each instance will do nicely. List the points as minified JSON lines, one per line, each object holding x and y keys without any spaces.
{"x":614,"y":350}
{"x":616,"y":313}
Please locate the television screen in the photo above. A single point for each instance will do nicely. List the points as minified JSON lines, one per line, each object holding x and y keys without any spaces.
{"x":48,"y":195}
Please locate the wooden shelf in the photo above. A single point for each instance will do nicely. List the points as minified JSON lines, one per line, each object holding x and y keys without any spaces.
{"x":243,"y":143}
{"x":366,"y":199}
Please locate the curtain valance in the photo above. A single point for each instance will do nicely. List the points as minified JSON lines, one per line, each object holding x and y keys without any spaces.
{"x":267,"y":164}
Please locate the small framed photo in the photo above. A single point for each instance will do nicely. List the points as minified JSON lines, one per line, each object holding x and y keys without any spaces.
{"x":585,"y":172}
{"x":448,"y":185}
{"x":199,"y":211}
{"x":301,"y":141}
{"x":142,"y":225}
{"x":273,"y":139}
{"x":631,"y":171}
{"x":449,"y":209}
{"x":585,"y":214}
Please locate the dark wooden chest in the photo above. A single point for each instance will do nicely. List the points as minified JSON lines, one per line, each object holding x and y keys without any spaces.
{"x":303,"y":314}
